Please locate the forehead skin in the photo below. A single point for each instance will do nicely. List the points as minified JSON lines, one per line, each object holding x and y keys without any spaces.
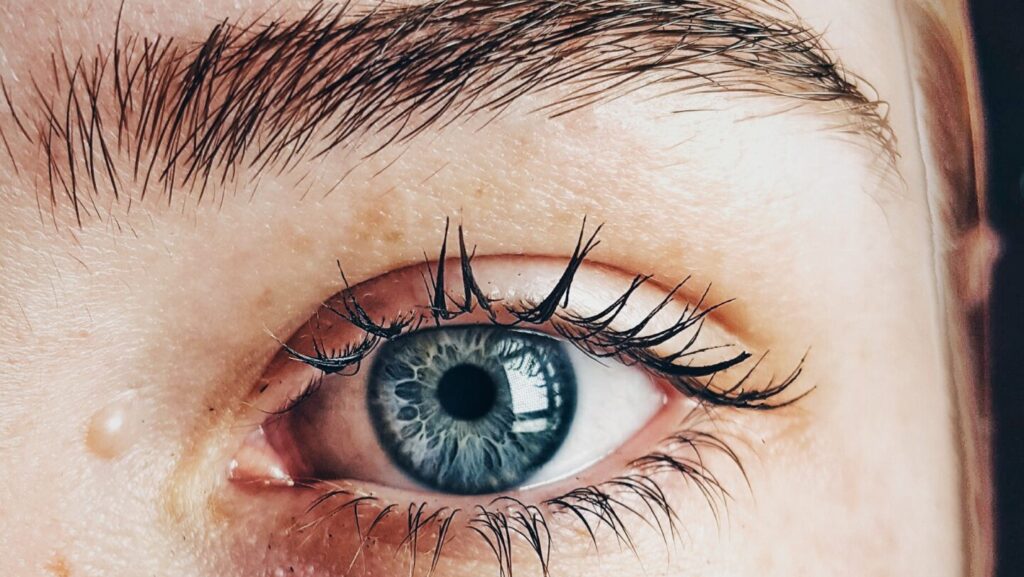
{"x":880,"y":226}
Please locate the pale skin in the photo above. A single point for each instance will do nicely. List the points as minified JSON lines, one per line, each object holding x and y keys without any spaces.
{"x":165,"y":319}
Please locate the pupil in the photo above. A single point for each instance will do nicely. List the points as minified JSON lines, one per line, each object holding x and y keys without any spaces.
{"x":466,"y":392}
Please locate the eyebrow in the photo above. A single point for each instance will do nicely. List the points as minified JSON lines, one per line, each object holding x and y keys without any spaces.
{"x":170,"y":114}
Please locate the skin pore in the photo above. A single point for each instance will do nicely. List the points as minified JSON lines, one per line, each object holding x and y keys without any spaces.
{"x":142,"y":318}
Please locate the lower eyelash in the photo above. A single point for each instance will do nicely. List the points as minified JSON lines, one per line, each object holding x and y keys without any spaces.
{"x":506,"y":523}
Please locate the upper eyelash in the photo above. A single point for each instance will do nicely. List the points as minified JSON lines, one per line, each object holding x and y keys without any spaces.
{"x":591,"y":334}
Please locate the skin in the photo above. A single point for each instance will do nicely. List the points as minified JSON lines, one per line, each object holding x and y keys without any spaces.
{"x":167,"y":315}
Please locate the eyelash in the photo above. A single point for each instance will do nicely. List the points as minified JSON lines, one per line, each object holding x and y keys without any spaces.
{"x":506,"y":519}
{"x":591,"y":334}
{"x":593,"y":506}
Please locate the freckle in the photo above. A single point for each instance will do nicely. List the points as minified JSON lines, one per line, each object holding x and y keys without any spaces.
{"x":58,"y":566}
{"x":265,"y":299}
{"x":300,"y":243}
{"x":113,"y":429}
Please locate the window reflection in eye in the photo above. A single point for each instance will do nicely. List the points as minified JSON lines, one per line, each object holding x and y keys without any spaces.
{"x":472,"y":380}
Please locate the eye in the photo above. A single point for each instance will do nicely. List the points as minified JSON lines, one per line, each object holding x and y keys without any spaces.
{"x":467,"y":377}
{"x":471,"y":409}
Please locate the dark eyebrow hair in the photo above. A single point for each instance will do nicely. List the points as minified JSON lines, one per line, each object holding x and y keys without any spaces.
{"x":266,"y":94}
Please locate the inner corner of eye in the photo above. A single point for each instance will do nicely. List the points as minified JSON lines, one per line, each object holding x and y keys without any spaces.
{"x":258,"y":463}
{"x":463,"y":410}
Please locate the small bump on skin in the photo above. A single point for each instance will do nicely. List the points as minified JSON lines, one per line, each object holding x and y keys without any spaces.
{"x":113,"y":429}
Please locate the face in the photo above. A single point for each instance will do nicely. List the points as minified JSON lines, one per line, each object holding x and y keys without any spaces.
{"x":473,"y":288}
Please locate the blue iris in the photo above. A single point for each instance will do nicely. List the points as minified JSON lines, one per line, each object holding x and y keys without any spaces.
{"x":471,"y":409}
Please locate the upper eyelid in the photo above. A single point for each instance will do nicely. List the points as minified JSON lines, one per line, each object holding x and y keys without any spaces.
{"x":185,"y":113}
{"x":591,"y":334}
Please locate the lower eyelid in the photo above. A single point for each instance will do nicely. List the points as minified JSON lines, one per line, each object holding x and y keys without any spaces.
{"x":668,"y":407}
{"x":315,"y":525}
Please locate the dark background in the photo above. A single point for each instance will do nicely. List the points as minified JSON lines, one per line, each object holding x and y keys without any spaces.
{"x":1000,"y":44}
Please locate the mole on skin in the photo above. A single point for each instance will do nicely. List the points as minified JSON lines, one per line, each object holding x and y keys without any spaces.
{"x":113,"y":429}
